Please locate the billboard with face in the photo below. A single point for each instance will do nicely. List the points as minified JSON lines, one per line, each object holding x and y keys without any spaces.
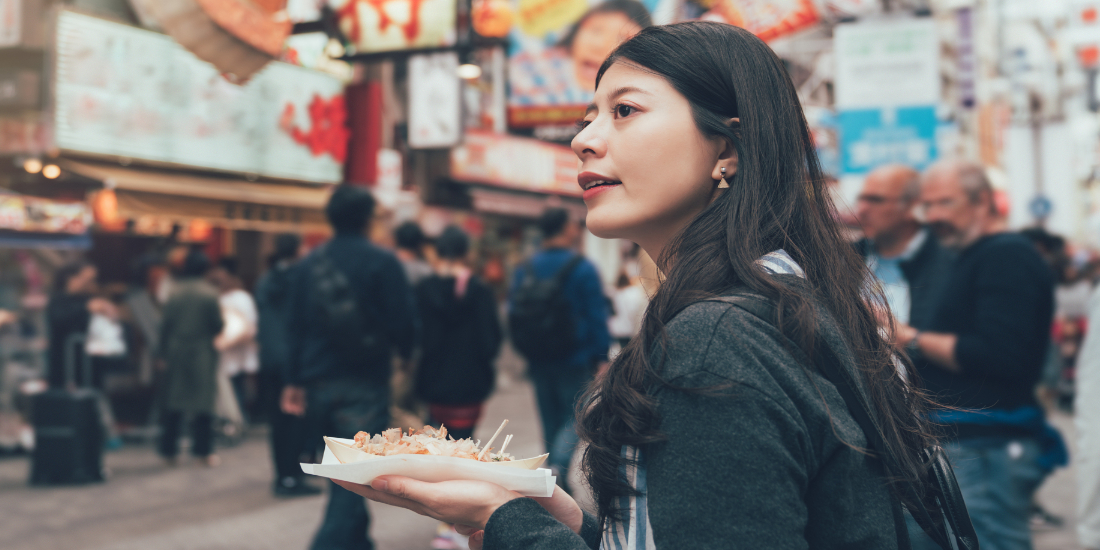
{"x":557,"y":49}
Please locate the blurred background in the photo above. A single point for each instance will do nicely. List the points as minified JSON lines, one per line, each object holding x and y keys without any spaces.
{"x":133,"y":129}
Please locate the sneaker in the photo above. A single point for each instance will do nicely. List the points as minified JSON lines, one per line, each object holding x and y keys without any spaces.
{"x":294,"y":487}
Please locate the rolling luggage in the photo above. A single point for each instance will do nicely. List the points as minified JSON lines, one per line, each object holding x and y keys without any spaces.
{"x":68,"y":429}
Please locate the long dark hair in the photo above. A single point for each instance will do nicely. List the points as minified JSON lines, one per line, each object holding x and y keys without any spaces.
{"x":777,"y":200}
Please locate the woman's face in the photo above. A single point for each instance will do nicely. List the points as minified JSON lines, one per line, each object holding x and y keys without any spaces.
{"x":641,"y":138}
{"x":598,"y":35}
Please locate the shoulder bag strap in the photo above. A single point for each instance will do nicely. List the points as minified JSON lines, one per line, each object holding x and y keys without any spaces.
{"x":952,"y":507}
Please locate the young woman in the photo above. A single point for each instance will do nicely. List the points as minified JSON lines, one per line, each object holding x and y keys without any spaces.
{"x":714,"y":428}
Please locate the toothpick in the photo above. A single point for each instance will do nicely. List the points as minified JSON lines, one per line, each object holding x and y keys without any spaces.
{"x":483,"y":451}
{"x":507,"y":440}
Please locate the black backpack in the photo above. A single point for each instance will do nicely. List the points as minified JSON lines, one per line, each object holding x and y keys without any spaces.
{"x":338,"y":309}
{"x":541,"y":317}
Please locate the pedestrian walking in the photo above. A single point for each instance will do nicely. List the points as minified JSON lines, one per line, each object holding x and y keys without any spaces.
{"x":718,"y":426}
{"x":409,"y":239}
{"x":238,"y":354}
{"x":460,"y":338}
{"x":350,"y":307}
{"x":629,"y":302}
{"x":287,"y":431}
{"x":558,"y":321}
{"x":192,"y":319}
{"x":985,"y":351}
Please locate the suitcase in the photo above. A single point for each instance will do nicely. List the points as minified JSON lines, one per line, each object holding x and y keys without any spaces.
{"x":68,"y":429}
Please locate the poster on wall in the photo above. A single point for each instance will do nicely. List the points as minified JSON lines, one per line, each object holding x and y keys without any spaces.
{"x":767,"y":19}
{"x":557,"y":49}
{"x":127,"y":92}
{"x":373,"y":26}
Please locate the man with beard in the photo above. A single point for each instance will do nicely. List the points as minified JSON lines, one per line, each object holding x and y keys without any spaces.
{"x":985,"y":349}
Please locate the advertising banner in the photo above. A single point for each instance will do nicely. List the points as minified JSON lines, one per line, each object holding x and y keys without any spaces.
{"x":766,"y":19}
{"x":32,"y":214}
{"x":519,"y":163}
{"x":127,"y":92}
{"x":557,"y":49}
{"x":372,"y":26}
{"x":887,"y":93}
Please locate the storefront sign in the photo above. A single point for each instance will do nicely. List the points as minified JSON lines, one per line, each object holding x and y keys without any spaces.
{"x":887,"y":92}
{"x":558,"y":47}
{"x":372,"y":26}
{"x":127,"y":92}
{"x":767,"y":19}
{"x":31,"y":214}
{"x":11,"y":23}
{"x":518,"y":163}
{"x":435,"y":108}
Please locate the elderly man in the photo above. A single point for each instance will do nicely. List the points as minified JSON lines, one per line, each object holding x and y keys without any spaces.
{"x":906,"y":259}
{"x":985,"y":349}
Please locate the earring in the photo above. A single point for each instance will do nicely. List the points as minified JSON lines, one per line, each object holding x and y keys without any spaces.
{"x":723,"y":184}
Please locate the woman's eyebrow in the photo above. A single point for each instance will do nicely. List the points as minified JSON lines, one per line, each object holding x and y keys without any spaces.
{"x":615,"y":95}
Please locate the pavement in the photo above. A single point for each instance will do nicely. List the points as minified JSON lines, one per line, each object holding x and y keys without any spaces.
{"x":146,"y":505}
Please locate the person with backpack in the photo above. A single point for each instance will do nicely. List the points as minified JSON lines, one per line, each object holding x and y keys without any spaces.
{"x":557,"y":318}
{"x":350,"y":307}
{"x":761,"y":405}
{"x":460,"y":338}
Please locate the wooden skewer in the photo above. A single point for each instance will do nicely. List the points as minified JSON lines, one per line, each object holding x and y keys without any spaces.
{"x":486,"y":449}
{"x":507,"y":440}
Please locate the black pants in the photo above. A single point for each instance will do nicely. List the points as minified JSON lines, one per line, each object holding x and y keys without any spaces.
{"x":287,"y":431}
{"x":202,"y":434}
{"x":340,"y":408}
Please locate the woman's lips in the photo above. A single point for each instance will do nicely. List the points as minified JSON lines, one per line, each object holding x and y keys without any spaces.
{"x":592,"y":192}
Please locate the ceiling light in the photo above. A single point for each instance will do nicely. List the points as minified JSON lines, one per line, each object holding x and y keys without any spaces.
{"x":51,"y":171}
{"x":468,"y":71}
{"x":32,"y":166}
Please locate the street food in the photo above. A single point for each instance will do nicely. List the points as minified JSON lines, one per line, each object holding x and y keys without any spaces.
{"x":428,"y":441}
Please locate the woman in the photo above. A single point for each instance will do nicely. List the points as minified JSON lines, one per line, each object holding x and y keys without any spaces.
{"x":713,"y":429}
{"x":192,"y":319}
{"x":69,"y":313}
{"x":461,"y":338}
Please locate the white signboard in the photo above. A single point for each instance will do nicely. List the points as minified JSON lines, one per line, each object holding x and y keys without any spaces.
{"x":435,"y":109}
{"x":127,"y":92}
{"x":11,"y":23}
{"x":880,"y":63}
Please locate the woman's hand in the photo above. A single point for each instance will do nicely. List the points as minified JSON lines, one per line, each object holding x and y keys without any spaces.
{"x":468,"y":503}
{"x":560,"y":505}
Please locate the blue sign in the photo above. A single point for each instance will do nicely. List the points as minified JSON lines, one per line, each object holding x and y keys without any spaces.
{"x":1040,"y":207}
{"x":870,"y":138}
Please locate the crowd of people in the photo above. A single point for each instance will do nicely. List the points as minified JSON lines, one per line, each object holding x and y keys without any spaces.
{"x":783,"y":387}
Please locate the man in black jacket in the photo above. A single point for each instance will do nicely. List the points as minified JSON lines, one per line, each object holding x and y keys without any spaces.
{"x":350,"y":307}
{"x":985,"y":349}
{"x":905,"y":257}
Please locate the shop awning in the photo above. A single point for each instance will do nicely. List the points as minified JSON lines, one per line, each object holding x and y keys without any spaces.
{"x":226,"y":202}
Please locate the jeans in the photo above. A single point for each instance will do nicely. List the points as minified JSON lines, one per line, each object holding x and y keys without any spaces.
{"x":997,"y":476}
{"x":202,"y":434}
{"x":287,"y":431}
{"x":557,"y":388}
{"x":340,"y":408}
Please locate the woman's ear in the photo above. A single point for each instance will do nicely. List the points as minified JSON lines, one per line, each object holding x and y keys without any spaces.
{"x":727,"y":156}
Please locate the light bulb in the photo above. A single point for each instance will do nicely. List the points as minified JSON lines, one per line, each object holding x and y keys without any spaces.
{"x":51,"y":171}
{"x":32,"y":166}
{"x":468,"y":71}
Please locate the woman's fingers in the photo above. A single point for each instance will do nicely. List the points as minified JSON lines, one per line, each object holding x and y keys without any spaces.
{"x":477,"y":540}
{"x":369,"y":492}
{"x":465,"y":530}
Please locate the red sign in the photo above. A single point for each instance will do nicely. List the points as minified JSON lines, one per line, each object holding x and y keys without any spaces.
{"x":766,"y":19}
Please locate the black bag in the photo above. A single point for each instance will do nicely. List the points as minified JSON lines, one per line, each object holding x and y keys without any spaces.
{"x":541,"y":317}
{"x":357,"y":336}
{"x":68,"y":429}
{"x":942,"y":513}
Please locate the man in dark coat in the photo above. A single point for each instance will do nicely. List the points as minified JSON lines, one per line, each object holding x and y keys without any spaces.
{"x":350,"y":307}
{"x":287,"y":431}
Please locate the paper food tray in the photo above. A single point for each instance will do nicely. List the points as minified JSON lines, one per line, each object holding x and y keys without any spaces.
{"x":344,"y":462}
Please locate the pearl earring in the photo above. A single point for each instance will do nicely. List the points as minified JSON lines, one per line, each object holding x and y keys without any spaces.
{"x":723,"y":184}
